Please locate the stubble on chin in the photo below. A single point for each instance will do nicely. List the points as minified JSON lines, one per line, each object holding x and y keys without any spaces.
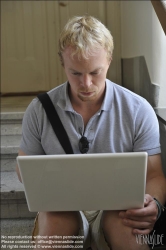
{"x":86,"y":98}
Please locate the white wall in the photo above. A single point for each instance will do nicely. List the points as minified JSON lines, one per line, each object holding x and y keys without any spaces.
{"x":142,"y":35}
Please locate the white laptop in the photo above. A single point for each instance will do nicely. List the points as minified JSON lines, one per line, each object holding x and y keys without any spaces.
{"x":111,"y":181}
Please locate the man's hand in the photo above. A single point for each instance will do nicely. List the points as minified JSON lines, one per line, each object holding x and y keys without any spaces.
{"x":141,"y":220}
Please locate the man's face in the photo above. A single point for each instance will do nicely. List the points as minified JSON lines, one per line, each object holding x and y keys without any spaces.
{"x":86,"y":76}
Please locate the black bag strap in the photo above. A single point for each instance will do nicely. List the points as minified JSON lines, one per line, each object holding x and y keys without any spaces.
{"x":56,"y":122}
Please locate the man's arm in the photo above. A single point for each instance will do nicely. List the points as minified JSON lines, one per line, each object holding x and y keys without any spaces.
{"x":142,"y":220}
{"x":156,"y":181}
{"x":20,"y":153}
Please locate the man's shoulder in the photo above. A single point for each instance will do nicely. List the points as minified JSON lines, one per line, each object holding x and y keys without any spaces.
{"x":57,"y":92}
{"x":125,"y":95}
{"x":127,"y":100}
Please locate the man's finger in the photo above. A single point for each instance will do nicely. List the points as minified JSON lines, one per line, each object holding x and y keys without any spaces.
{"x":143,"y":212}
{"x":142,"y":231}
{"x":137,"y":224}
{"x":150,"y":219}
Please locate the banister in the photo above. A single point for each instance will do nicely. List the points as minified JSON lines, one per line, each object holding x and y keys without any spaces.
{"x":160,"y":9}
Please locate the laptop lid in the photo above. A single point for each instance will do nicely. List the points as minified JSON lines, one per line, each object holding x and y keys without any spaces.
{"x":111,"y":181}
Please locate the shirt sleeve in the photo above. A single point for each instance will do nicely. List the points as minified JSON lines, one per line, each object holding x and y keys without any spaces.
{"x":147,"y":136}
{"x":31,"y":132}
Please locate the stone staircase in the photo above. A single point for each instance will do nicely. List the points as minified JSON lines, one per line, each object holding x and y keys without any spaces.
{"x":15,"y":216}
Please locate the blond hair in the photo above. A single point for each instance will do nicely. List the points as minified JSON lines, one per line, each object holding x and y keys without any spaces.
{"x":85,"y":34}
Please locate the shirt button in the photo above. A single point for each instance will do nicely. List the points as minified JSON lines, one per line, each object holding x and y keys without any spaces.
{"x":80,"y":130}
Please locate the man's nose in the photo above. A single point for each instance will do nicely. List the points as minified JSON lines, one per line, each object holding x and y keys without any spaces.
{"x":86,"y":80}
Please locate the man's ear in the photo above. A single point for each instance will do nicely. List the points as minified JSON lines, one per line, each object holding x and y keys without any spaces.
{"x":61,"y":59}
{"x":109,"y":61}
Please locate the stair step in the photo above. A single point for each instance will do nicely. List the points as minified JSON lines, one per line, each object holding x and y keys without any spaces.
{"x":11,"y":117}
{"x":10,"y":144}
{"x":10,"y":182}
{"x":8,"y":164}
{"x":11,"y":129}
{"x":20,"y":229}
{"x":13,"y":201}
{"x":11,"y":123}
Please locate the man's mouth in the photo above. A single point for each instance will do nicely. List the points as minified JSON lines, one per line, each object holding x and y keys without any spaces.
{"x":86,"y":93}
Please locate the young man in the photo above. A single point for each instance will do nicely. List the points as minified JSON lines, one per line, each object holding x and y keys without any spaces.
{"x":113,"y":119}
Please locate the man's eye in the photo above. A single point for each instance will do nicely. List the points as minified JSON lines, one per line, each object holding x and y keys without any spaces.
{"x":76,"y":74}
{"x":94,"y":73}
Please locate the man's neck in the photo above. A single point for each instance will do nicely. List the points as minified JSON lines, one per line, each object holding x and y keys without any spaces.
{"x":89,"y":106}
{"x":87,"y":109}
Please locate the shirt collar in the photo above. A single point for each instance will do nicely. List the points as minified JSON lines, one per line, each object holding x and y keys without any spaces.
{"x":64,"y":100}
{"x":108,"y":98}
